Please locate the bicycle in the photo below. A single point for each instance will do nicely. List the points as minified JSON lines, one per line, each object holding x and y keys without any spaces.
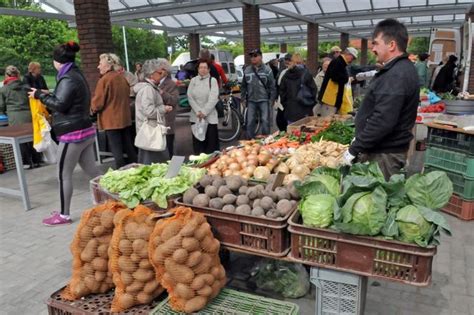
{"x":234,"y":117}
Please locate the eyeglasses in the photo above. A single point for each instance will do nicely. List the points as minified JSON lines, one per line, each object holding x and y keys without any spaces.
{"x":253,"y":55}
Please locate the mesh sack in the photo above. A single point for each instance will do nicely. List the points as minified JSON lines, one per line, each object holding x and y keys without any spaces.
{"x":133,"y":275}
{"x":185,"y":255}
{"x":89,"y":247}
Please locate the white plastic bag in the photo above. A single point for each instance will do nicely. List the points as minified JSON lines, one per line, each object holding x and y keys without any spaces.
{"x":50,"y":152}
{"x":199,"y":129}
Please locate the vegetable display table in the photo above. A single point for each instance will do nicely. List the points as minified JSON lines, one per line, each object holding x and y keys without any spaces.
{"x":15,"y":135}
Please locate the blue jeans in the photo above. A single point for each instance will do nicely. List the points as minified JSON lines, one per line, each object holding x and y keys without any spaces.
{"x":262,"y":108}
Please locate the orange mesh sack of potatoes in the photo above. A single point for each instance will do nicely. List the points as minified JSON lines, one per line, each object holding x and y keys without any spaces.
{"x":185,"y":255}
{"x":90,"y":272}
{"x":133,"y":274}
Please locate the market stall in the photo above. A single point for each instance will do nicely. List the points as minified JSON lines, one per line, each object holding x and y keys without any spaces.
{"x":284,"y":197}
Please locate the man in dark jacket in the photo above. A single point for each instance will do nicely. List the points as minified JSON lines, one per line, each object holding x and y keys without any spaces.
{"x":34,"y":78}
{"x":332,"y":90}
{"x":388,"y":112}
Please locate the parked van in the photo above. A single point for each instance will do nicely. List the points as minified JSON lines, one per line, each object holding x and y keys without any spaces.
{"x":443,"y":43}
{"x":224,"y":58}
{"x":266,"y":57}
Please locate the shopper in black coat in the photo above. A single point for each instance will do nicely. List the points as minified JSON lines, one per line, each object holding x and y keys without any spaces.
{"x":444,"y":81}
{"x":296,"y":75}
{"x":34,"y":78}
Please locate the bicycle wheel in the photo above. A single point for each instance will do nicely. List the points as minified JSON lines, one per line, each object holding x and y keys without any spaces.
{"x":229,"y":126}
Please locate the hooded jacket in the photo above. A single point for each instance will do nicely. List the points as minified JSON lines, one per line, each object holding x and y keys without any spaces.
{"x":148,"y":104}
{"x":14,"y":102}
{"x":388,"y":112}
{"x":289,"y":88}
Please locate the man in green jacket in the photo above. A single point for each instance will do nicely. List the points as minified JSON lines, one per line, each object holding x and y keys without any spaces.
{"x":15,"y":104}
{"x":422,"y":69}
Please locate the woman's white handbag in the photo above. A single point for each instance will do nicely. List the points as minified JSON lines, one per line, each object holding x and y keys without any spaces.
{"x":152,"y":138}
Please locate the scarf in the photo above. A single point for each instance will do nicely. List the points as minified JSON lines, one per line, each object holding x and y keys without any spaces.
{"x":64,"y":69}
{"x":9,"y":79}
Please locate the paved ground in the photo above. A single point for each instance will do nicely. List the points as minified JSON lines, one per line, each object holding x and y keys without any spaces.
{"x":35,"y":260}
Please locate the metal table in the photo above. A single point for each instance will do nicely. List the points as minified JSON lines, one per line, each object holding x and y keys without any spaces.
{"x":15,"y":135}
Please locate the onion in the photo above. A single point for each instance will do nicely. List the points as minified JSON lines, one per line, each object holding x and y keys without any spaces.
{"x":237,"y":173}
{"x":252,"y":157}
{"x":214,"y":172}
{"x":263,"y":158}
{"x":249,"y":170}
{"x":234,"y":166}
{"x":241,"y":159}
{"x":240,"y":152}
{"x":253,"y":162}
{"x":230,"y":161}
{"x":227,"y":173}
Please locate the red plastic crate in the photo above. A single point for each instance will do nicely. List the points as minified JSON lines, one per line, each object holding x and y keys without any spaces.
{"x":463,"y":209}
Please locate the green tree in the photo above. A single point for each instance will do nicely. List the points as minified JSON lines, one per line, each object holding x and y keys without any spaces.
{"x":418,"y":45}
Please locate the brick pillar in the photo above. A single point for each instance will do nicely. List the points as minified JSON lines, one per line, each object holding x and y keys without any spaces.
{"x":312,"y":38}
{"x":344,"y":42}
{"x":363,"y":51}
{"x":251,"y":27}
{"x":283,"y":47}
{"x":470,"y":86}
{"x":95,"y":35}
{"x":194,"y":45}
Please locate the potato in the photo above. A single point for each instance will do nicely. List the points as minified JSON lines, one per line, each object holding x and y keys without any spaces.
{"x":126,"y":278}
{"x":209,"y":279}
{"x":107,"y":218}
{"x":216,"y":203}
{"x":206,"y":180}
{"x":100,"y":264}
{"x":204,"y":264}
{"x":205,"y":291}
{"x":145,"y":264}
{"x":151,"y":286}
{"x":184,"y":291}
{"x":105,"y":239}
{"x":143,"y":275}
{"x":167,"y":280}
{"x":135,"y":287}
{"x":98,"y":230}
{"x":189,"y":195}
{"x":218,"y":182}
{"x":266,"y":203}
{"x":126,"y":264}
{"x":125,"y":247}
{"x":198,"y":282}
{"x":140,"y":247}
{"x":223,"y":190}
{"x":211,"y":191}
{"x":284,"y":207}
{"x":179,"y":273}
{"x":102,"y":251}
{"x":201,"y":232}
{"x":243,"y":210}
{"x":91,"y":283}
{"x":215,"y":273}
{"x":195,"y":304}
{"x":157,"y":241}
{"x":87,"y":255}
{"x":194,"y":258}
{"x":201,"y":200}
{"x":272,"y":214}
{"x":143,"y":231}
{"x":87,"y":269}
{"x":258,"y":211}
{"x":242,"y":200}
{"x":292,"y":190}
{"x":131,"y":230}
{"x":180,"y":255}
{"x":140,"y":218}
{"x":228,"y":208}
{"x":158,"y":257}
{"x":120,"y":215}
{"x":151,"y":221}
{"x":144,"y":298}
{"x":282,"y":193}
{"x":80,"y":289}
{"x":229,"y":199}
{"x":100,"y":276}
{"x":233,"y":182}
{"x":104,"y":288}
{"x":188,"y":229}
{"x":135,"y":258}
{"x":216,"y":288}
{"x":210,"y":245}
{"x":126,"y":300}
{"x":252,"y":193}
{"x":171,"y":245}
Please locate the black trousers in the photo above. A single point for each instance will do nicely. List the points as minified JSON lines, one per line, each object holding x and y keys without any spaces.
{"x":29,"y":154}
{"x":120,"y":142}
{"x":281,"y":122}
{"x":170,"y":144}
{"x":210,"y":144}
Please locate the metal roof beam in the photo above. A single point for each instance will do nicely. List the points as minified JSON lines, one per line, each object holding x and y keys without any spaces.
{"x":36,"y":14}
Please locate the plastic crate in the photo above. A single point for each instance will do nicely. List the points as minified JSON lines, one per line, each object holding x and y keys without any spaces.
{"x":462,"y":185}
{"x":92,"y":304}
{"x":231,"y":302}
{"x":451,"y":140}
{"x":8,"y":157}
{"x":463,"y":209}
{"x":338,"y":292}
{"x":253,"y":234}
{"x":450,"y":161}
{"x":367,"y":256}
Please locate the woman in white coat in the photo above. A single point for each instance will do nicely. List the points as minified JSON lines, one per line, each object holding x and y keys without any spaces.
{"x":148,"y":105}
{"x":203,"y":94}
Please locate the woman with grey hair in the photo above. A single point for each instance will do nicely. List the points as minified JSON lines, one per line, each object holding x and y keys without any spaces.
{"x":112,"y":106}
{"x":170,"y":94}
{"x":148,"y":105}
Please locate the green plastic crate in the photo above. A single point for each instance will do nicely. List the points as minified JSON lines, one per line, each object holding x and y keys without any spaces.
{"x":451,"y":140}
{"x":462,"y":185}
{"x":231,"y":302}
{"x":450,"y":161}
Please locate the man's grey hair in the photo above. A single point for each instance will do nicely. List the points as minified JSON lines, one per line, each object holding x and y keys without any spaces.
{"x":164,"y":64}
{"x":150,"y":66}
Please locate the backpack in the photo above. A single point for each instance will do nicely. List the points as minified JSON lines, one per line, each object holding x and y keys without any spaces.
{"x":305,"y":96}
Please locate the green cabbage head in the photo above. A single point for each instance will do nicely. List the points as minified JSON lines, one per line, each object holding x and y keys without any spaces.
{"x":318,"y":210}
{"x":413,"y":227}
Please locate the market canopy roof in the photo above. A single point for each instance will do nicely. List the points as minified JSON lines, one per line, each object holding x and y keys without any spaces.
{"x":281,"y":21}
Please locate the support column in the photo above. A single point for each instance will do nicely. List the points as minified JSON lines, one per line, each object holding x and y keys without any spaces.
{"x":283,"y":48}
{"x":251,"y":27}
{"x":194,"y":45}
{"x":363,"y":51}
{"x":95,"y":35}
{"x":312,"y":38}
{"x":470,"y":85}
{"x":344,"y":42}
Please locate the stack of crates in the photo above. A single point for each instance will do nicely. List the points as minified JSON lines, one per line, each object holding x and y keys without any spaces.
{"x":453,"y":152}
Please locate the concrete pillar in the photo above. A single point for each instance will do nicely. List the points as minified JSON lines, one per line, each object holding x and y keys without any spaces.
{"x":312,"y":38}
{"x":283,"y":47}
{"x":251,"y":27}
{"x":344,"y":42}
{"x":194,"y":45}
{"x":363,"y":51}
{"x":470,"y":86}
{"x":95,"y":35}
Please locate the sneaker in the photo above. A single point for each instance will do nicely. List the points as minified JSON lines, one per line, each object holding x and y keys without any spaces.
{"x":55,"y":219}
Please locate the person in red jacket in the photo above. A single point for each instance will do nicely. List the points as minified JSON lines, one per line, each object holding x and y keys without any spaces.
{"x":219,"y":69}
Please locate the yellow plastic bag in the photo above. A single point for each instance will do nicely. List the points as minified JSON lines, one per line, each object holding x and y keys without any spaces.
{"x":330,"y":95}
{"x":347,"y":101}
{"x":41,"y":127}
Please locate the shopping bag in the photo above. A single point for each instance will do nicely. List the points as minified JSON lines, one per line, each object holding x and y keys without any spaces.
{"x":330,"y":94}
{"x":347,"y":100}
{"x":152,"y":138}
{"x":50,"y":153}
{"x":41,"y":126}
{"x":199,"y":129}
